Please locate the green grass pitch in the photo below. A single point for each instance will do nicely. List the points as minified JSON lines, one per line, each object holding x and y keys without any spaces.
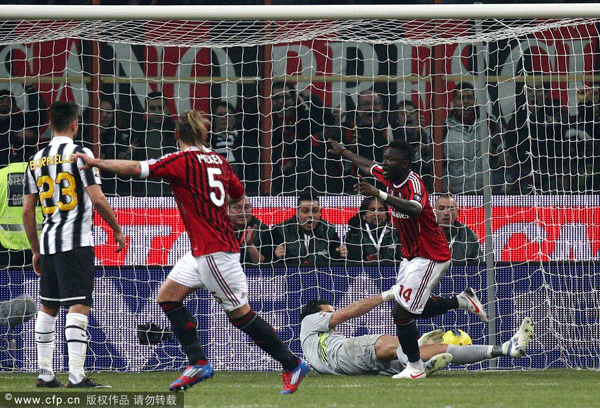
{"x":446,"y":389}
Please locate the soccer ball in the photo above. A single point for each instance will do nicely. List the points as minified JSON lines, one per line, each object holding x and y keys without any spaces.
{"x":457,"y":337}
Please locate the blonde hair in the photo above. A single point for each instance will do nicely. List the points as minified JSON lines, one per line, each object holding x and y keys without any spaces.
{"x":192,"y":128}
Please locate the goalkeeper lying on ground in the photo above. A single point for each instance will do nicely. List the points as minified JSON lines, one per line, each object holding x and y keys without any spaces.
{"x":330,"y":352}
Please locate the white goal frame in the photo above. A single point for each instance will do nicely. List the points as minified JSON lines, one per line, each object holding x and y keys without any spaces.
{"x":313,"y":12}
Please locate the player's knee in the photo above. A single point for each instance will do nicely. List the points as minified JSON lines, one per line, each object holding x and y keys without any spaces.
{"x":81,"y":309}
{"x":168,"y":307}
{"x":242,"y":320}
{"x":50,"y":310}
{"x":401,"y":315}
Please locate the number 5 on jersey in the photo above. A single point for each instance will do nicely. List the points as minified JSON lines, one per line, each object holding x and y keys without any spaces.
{"x":211,"y":172}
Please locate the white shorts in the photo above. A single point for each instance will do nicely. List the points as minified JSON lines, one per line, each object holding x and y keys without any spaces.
{"x":220,"y":273}
{"x":416,"y":279}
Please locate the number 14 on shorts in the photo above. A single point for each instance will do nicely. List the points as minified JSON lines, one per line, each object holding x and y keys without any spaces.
{"x":404,"y":293}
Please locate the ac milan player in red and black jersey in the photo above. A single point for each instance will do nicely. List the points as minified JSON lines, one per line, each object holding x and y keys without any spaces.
{"x":203,"y":183}
{"x":424,"y":246}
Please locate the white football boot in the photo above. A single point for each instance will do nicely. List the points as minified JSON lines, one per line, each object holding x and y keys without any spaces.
{"x":414,"y":371}
{"x":517,"y":346}
{"x":467,"y":300}
{"x":437,"y":362}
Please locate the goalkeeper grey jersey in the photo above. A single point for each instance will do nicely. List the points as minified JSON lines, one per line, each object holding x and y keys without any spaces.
{"x":321,"y":344}
{"x":61,"y":187}
{"x":330,"y":352}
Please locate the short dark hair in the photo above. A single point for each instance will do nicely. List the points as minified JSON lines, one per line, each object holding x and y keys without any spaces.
{"x":462,"y":86}
{"x":404,"y":147}
{"x":62,"y":114}
{"x":403,"y":104}
{"x":445,"y":195}
{"x":13,"y":100}
{"x":285,"y":86}
{"x":307,"y":195}
{"x":110,"y":99}
{"x":367,"y":201}
{"x":221,"y":104}
{"x":312,"y":307}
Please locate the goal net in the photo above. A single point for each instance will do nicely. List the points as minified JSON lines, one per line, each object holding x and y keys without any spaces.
{"x":503,"y":114}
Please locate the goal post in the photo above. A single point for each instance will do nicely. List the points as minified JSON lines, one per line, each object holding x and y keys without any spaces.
{"x":300,"y":12}
{"x":502,"y":105}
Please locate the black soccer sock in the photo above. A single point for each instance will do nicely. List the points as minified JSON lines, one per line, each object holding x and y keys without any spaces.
{"x":436,"y":306}
{"x":265,"y":337}
{"x":408,"y":333}
{"x":184,"y":327}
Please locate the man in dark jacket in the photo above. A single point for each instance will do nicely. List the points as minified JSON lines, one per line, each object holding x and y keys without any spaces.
{"x":463,"y":241}
{"x":306,"y":238}
{"x":249,"y":230}
{"x":371,"y":237}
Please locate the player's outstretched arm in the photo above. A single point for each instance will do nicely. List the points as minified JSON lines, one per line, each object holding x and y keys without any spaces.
{"x":337,"y":149}
{"x":360,"y":307}
{"x":131,"y":168}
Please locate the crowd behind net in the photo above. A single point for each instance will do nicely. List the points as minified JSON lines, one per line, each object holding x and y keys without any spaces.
{"x":503,"y":114}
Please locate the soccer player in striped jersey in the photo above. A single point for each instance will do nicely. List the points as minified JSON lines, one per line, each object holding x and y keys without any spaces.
{"x":64,"y":255}
{"x":203,"y":184}
{"x":424,"y":246}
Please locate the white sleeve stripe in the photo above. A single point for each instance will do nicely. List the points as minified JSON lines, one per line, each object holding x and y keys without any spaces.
{"x":416,"y":184}
{"x":145,"y":169}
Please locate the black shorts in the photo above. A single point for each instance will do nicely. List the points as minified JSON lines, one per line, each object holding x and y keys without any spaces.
{"x":68,"y":278}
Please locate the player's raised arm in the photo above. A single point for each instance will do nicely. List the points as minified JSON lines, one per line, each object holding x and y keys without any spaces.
{"x":407,"y":207}
{"x":130,"y":168}
{"x":338,"y":149}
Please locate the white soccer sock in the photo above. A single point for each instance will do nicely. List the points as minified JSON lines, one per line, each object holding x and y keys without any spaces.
{"x":77,"y":341}
{"x":417,"y":365}
{"x":469,"y":354}
{"x":45,"y":337}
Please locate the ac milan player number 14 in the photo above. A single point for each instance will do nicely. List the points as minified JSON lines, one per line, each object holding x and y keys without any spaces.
{"x":424,"y":247}
{"x":203,"y":183}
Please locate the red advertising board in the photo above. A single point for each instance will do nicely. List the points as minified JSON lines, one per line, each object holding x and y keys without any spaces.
{"x":559,"y":228}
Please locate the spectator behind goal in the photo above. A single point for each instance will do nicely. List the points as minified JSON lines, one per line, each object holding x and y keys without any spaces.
{"x":306,"y":238}
{"x":463,"y":242}
{"x":371,"y":237}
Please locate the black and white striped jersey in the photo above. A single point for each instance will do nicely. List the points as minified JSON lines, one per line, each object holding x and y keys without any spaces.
{"x":61,"y":186}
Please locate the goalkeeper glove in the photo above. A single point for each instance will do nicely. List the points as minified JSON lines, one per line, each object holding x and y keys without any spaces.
{"x":432,"y":337}
{"x":389,"y":294}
